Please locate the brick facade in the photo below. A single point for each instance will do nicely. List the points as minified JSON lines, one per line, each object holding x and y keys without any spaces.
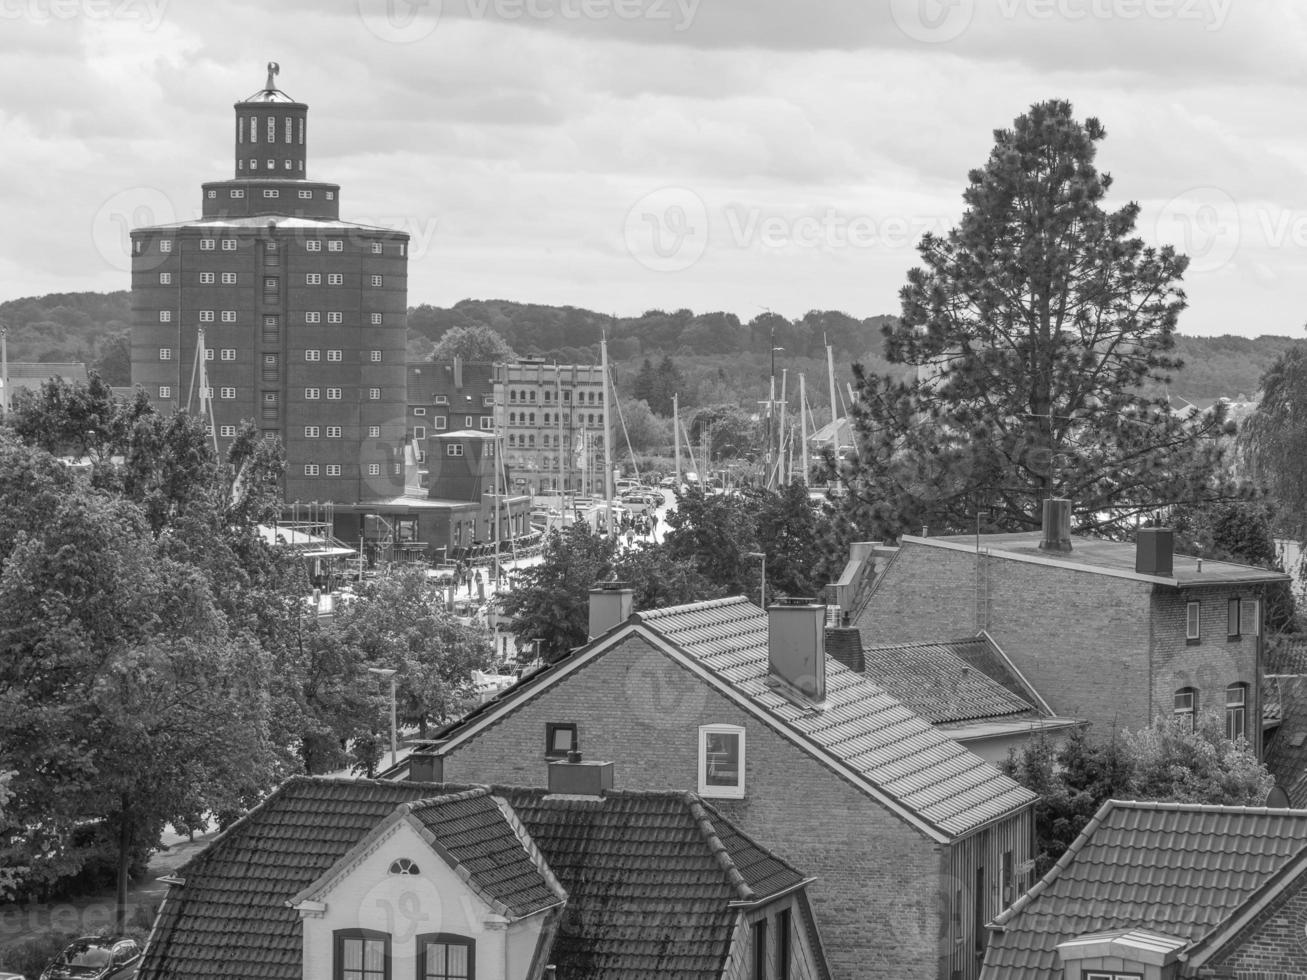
{"x":1271,"y":947}
{"x":884,"y":892}
{"x":1106,"y":649}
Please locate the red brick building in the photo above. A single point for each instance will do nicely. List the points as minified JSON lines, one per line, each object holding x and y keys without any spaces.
{"x":1108,"y":632}
{"x":303,"y":316}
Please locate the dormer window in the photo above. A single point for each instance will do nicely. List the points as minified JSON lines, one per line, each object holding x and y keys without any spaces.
{"x":404,"y":866}
{"x":721,"y":761}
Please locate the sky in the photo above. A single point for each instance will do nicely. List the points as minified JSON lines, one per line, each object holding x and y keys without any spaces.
{"x":627,"y":155}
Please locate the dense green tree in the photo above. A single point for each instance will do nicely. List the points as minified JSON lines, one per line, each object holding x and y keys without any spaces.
{"x":1272,"y":443}
{"x":113,"y":360}
{"x":478,"y":344}
{"x":644,"y":430}
{"x":1168,"y":761}
{"x":1033,"y":326}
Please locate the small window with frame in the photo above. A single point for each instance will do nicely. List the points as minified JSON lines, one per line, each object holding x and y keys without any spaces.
{"x":560,"y":739}
{"x":1193,"y":624}
{"x":721,"y":761}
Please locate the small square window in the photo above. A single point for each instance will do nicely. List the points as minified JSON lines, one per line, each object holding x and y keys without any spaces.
{"x":306,"y":195}
{"x":487,"y":423}
{"x":228,"y":316}
{"x":227,"y":431}
{"x":419,"y":411}
{"x":207,"y":244}
{"x":331,"y":195}
{"x":270,"y":284}
{"x":165,"y":278}
{"x":438,"y":423}
{"x":376,"y":356}
{"x":208,"y":353}
{"x":334,"y":355}
{"x":374,"y":393}
{"x":310,"y":469}
{"x":376,"y":248}
{"x":333,"y":432}
{"x":227,"y":393}
{"x":165,"y":391}
{"x":313,"y":246}
{"x":419,"y":432}
{"x":267,"y":192}
{"x":377,"y":280}
{"x":212,"y":194}
{"x":229,"y":278}
{"x":312,"y":317}
{"x":311,"y":393}
{"x":333,"y":394}
{"x":376,"y":319}
{"x":335,"y":317}
{"x":333,"y":469}
{"x":310,"y":432}
{"x":560,"y":739}
{"x":206,"y":316}
{"x":374,"y":432}
{"x":237,"y":193}
{"x":165,"y":316}
{"x":312,"y":355}
{"x":313,"y":279}
{"x":335,"y":245}
{"x":165,"y":353}
{"x":206,"y":278}
{"x":229,"y":244}
{"x":454,"y":449}
{"x":229,"y":353}
{"x":335,"y":279}
{"x":721,"y":761}
{"x":374,"y":469}
{"x":165,"y":245}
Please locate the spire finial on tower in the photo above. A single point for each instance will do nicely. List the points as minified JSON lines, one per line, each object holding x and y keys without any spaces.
{"x":273,"y":69}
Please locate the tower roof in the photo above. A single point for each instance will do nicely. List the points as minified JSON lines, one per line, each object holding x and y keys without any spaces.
{"x":270,"y":92}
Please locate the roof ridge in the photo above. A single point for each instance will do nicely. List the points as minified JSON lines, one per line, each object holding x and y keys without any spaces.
{"x":1206,"y":807}
{"x":441,"y":798}
{"x":718,"y":849}
{"x":665,"y":611}
{"x":925,"y":643}
{"x":753,"y":842}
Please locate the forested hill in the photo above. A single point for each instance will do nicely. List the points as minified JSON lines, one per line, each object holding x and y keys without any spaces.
{"x":93,"y":327}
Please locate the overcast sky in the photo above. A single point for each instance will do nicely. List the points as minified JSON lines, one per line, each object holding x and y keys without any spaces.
{"x":622,"y":155}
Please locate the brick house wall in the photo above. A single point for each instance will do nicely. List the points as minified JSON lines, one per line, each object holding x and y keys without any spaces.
{"x":877,"y":898}
{"x":1273,"y":945}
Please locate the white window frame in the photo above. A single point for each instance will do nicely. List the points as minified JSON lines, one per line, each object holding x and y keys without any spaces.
{"x":208,"y":244}
{"x":227,"y":431}
{"x":378,"y":281}
{"x":374,"y":469}
{"x":334,"y":432}
{"x":374,"y":394}
{"x":229,"y":353}
{"x":165,"y":391}
{"x":438,"y":423}
{"x":335,"y":279}
{"x":227,"y":393}
{"x":269,"y":192}
{"x":1241,"y":706}
{"x":237,"y":192}
{"x":335,"y":354}
{"x":335,"y":316}
{"x":312,"y":394}
{"x":376,"y":248}
{"x":311,"y":354}
{"x":313,"y":246}
{"x":1193,"y":621}
{"x":165,"y":316}
{"x":206,"y":278}
{"x":313,"y":279}
{"x":165,"y":278}
{"x":1250,"y":617}
{"x":376,"y":319}
{"x":228,"y":316}
{"x":310,"y":469}
{"x":454,"y":449}
{"x":374,"y":432}
{"x":311,"y":431}
{"x":333,"y":469}
{"x":376,"y":357}
{"x":419,"y":432}
{"x":165,"y":353}
{"x":733,"y":792}
{"x":335,"y":245}
{"x":333,"y":394}
{"x":209,"y":353}
{"x":229,"y":278}
{"x":306,"y":195}
{"x":487,"y":423}
{"x":419,"y":411}
{"x":312,"y":317}
{"x":229,"y":244}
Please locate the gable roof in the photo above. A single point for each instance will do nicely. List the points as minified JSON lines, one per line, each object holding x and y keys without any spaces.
{"x":1171,"y":868}
{"x":481,"y":841}
{"x":634,"y":866}
{"x":939,"y":682}
{"x":1286,"y":750}
{"x":862,"y":730}
{"x":652,"y":878}
{"x":1101,"y":557}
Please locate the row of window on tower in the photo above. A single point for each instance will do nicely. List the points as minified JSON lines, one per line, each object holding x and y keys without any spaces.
{"x":238,"y":193}
{"x":270,"y":123}
{"x":333,"y":469}
{"x":233,"y":244}
{"x":529,"y":418}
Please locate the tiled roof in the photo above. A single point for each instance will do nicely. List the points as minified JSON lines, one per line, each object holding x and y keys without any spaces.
{"x":649,"y":878}
{"x":938,"y":682}
{"x":1286,"y":751}
{"x":637,"y":867}
{"x":1285,"y":655}
{"x":1116,"y":558}
{"x":861,"y":726}
{"x":1171,"y":868}
{"x":472,"y":831}
{"x":43,"y":370}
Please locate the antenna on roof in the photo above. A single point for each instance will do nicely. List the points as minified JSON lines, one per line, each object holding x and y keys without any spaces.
{"x":273,"y":69}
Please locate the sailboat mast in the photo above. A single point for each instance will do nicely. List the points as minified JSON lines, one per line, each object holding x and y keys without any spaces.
{"x":834,"y":412}
{"x":608,"y":453}
{"x":676,"y":437}
{"x":780,"y":449}
{"x":803,"y":428}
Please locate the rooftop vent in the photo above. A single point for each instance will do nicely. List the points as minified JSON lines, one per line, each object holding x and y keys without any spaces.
{"x":1057,"y":525}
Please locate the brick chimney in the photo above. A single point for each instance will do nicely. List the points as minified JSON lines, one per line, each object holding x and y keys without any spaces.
{"x":844,"y":643}
{"x":611,"y":603}
{"x":574,"y":777}
{"x":1057,"y":525}
{"x":796,"y":646}
{"x":1154,"y":550}
{"x":458,"y":374}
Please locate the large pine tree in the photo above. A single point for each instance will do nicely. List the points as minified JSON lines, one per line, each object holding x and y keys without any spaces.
{"x":1034,"y":327}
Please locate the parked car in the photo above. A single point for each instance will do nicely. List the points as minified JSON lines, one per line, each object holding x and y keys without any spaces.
{"x":94,"y":958}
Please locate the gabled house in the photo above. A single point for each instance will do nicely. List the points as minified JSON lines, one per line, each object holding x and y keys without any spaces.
{"x":1163,"y":891}
{"x":1108,"y":632}
{"x":366,"y":880}
{"x":914,"y":841}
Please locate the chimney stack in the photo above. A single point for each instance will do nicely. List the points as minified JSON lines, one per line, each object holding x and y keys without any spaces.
{"x":796,"y":646}
{"x":573,"y":777}
{"x":844,"y":643}
{"x":611,"y":603}
{"x":1057,"y":525}
{"x":458,"y":373}
{"x":1154,"y":551}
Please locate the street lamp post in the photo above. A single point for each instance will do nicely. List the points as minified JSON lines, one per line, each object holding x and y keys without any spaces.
{"x":762,"y":590}
{"x":394,"y":726}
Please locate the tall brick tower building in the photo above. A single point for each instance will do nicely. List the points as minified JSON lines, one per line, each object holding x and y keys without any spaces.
{"x":302,"y":316}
